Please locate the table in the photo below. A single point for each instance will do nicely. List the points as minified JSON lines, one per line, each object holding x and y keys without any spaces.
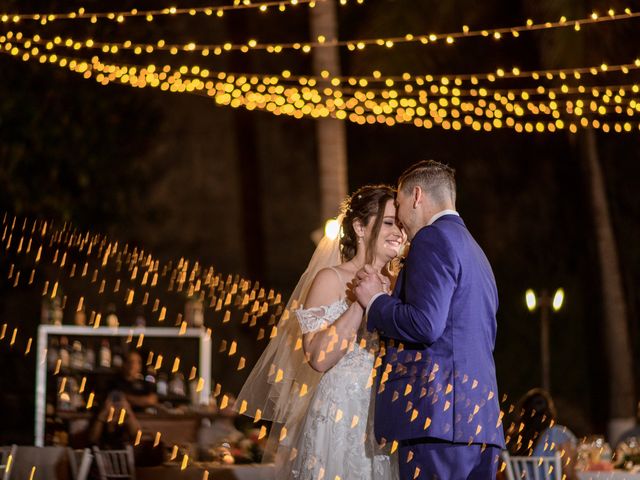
{"x":175,"y":428}
{"x":49,"y":463}
{"x":615,"y":475}
{"x":216,"y":472}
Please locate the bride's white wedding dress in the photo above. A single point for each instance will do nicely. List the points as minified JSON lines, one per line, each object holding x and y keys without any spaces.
{"x":337,"y":440}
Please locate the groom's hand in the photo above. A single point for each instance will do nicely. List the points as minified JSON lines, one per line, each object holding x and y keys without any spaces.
{"x":367,"y":284}
{"x":384,"y":280}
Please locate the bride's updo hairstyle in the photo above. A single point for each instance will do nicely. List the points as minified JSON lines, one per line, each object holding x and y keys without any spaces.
{"x":363,"y":205}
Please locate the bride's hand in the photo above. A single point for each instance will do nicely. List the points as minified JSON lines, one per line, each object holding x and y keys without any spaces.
{"x":386,"y":283}
{"x":350,"y":294}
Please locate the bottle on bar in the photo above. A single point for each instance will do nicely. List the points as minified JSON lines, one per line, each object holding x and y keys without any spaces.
{"x":112,"y":318}
{"x":77,"y":356}
{"x":116,"y":356}
{"x":77,"y":400}
{"x":56,"y":314}
{"x":176,"y":385}
{"x":53,"y":353}
{"x":105,"y":354}
{"x":80,"y":318}
{"x":89,"y":359}
{"x":163,"y":385}
{"x":151,"y":375}
{"x":64,"y":352}
{"x":139,"y":321}
{"x":64,"y":394}
{"x":194,"y":313}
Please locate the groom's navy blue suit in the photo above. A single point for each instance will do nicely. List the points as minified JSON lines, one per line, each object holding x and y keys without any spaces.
{"x":437,"y":392}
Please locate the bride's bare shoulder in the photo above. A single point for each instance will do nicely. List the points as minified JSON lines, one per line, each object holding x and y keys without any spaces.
{"x":328,"y":278}
{"x":326,"y":288}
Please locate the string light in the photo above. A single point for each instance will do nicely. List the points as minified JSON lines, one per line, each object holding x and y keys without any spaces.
{"x":475,"y":78}
{"x":250,"y":93}
{"x":150,"y":15}
{"x":434,"y":90}
{"x":364,"y":97}
{"x":377,"y":77}
{"x":306,"y":47}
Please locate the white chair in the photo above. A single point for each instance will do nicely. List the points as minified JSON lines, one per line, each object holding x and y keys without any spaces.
{"x":533,"y":468}
{"x":7,"y":459}
{"x":80,"y":461}
{"x":115,"y":464}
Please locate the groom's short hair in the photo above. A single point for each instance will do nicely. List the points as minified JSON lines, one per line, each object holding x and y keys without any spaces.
{"x":436,"y":179}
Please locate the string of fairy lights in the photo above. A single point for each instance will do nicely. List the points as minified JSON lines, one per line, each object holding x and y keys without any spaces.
{"x":321,"y":42}
{"x":481,"y":115}
{"x":120,"y":16}
{"x":362,"y":107}
{"x":374,"y":98}
{"x":34,"y":42}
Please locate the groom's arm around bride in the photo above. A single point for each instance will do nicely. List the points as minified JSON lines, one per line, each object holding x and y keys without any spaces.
{"x":437,"y":390}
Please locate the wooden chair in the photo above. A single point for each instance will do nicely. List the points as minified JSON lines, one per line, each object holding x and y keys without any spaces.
{"x":115,"y":464}
{"x":7,"y":459}
{"x":80,"y":461}
{"x":533,"y":468}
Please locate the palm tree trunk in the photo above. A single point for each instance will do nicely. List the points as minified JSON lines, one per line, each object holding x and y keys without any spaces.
{"x":330,"y":133}
{"x":616,"y":332}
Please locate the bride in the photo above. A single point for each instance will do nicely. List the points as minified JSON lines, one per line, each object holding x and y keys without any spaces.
{"x":314,"y":379}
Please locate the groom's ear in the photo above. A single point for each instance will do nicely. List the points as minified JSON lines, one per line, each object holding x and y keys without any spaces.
{"x":417,"y":196}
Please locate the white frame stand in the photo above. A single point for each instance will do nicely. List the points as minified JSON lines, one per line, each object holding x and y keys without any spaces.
{"x":44,"y":331}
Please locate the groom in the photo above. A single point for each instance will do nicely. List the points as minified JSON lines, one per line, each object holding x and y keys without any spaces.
{"x":437,"y":394}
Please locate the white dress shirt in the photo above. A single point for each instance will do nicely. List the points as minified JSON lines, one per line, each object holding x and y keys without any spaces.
{"x":442,"y":214}
{"x":431,"y":220}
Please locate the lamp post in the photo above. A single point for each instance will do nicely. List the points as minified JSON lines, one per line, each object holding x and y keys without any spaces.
{"x":545,"y":303}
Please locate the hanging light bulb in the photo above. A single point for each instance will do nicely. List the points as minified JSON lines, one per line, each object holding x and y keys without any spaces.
{"x":332,"y":228}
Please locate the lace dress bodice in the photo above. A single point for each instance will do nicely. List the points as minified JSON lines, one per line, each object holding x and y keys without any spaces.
{"x":337,"y":439}
{"x":319,"y":318}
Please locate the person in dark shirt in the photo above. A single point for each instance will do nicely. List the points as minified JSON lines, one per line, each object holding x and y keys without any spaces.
{"x":136,"y":390}
{"x":116,"y":424}
{"x":535,"y":432}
